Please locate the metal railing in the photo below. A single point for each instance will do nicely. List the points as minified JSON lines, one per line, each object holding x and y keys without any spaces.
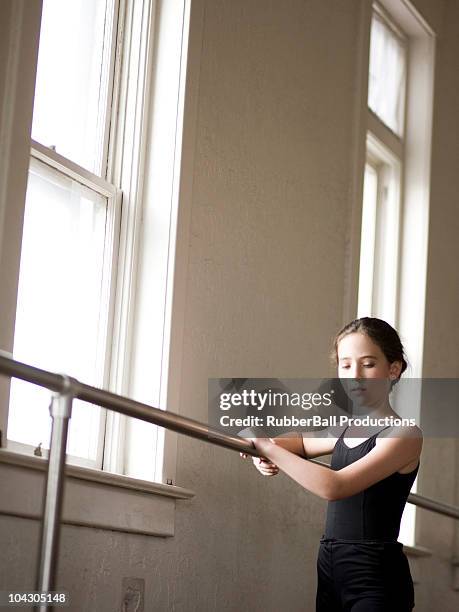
{"x":66,"y":389}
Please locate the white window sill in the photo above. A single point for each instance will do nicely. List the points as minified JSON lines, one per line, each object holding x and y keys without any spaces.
{"x":92,"y":498}
{"x":417,"y":551}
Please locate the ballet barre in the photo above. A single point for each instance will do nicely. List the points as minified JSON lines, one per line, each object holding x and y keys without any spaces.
{"x":66,"y":389}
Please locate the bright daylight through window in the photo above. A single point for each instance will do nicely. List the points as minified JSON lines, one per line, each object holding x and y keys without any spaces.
{"x":65,"y":283}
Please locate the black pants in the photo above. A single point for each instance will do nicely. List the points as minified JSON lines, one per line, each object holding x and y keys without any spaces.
{"x":363,"y":577}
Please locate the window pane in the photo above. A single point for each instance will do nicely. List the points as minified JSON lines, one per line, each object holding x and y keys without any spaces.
{"x":367,"y":241}
{"x":60,"y":309}
{"x":72,"y":79}
{"x":386,"y":85}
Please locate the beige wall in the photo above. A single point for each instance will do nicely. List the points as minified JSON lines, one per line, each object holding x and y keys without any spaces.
{"x":272,"y":183}
{"x":442,"y":305}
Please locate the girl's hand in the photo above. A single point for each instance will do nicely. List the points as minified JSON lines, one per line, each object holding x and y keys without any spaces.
{"x":263,"y":465}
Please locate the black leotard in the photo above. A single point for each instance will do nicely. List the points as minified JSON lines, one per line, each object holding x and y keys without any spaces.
{"x":372,"y":514}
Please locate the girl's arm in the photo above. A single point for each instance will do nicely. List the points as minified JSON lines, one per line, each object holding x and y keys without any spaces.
{"x":308,"y":445}
{"x":291,"y":441}
{"x":387,"y":457}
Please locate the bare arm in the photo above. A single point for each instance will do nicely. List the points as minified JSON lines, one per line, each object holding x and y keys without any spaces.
{"x":316,"y":444}
{"x":308,"y":445}
{"x":292,"y":441}
{"x":387,"y":457}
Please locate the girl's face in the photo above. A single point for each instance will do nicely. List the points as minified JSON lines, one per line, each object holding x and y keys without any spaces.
{"x":367,"y":369}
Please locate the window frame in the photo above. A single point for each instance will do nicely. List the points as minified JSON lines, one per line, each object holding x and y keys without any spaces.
{"x":163,"y":109}
{"x":73,"y":171}
{"x":387,"y":229}
{"x":386,"y":151}
{"x":119,"y":181}
{"x":130,"y":114}
{"x":415,"y":187}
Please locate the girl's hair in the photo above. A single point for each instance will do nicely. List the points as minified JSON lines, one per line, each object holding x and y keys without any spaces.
{"x":381,"y":333}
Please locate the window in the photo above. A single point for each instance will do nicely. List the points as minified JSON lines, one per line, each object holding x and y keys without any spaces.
{"x":74,"y":79}
{"x":63,"y":300}
{"x":383,"y":170}
{"x":71,"y":225}
{"x":380,"y":231}
{"x":99,"y":227}
{"x":396,"y":187}
{"x":387,"y":73}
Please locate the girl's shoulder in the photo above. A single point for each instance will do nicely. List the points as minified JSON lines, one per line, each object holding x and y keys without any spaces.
{"x":402,"y":431}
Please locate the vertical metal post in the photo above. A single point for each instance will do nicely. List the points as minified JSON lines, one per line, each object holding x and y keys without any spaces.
{"x":60,"y":410}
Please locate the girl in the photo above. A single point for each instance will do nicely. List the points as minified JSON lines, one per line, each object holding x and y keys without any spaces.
{"x":361,"y":567}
